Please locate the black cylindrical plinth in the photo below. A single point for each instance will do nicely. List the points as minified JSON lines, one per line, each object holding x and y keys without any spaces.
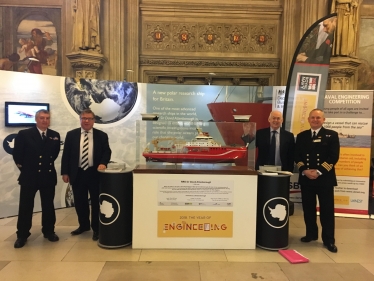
{"x":272,"y":211}
{"x":115,"y":229}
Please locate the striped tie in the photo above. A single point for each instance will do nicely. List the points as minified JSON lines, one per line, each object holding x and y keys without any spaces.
{"x":84,"y":163}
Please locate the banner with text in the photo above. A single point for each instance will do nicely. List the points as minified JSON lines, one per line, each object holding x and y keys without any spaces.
{"x":350,"y":114}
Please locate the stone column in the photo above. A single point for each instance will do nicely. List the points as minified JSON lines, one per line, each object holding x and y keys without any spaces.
{"x":289,"y":44}
{"x":133,"y":35}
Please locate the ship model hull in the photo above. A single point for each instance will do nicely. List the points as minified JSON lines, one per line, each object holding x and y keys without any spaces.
{"x":202,"y":149}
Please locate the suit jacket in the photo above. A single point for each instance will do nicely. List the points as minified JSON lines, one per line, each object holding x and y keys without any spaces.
{"x":71,"y":152}
{"x":286,"y":148}
{"x":323,"y":53}
{"x":321,"y":154}
{"x":35,"y":157}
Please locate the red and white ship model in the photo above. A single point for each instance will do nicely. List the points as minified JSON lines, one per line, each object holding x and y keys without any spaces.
{"x":202,"y":149}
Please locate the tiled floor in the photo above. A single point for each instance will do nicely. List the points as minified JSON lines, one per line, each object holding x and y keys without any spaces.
{"x":79,"y":258}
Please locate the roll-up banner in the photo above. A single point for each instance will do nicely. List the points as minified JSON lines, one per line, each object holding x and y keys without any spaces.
{"x":307,"y":80}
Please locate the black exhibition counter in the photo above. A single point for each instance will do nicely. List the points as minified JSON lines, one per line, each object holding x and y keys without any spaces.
{"x":272,"y":211}
{"x":116,"y":197}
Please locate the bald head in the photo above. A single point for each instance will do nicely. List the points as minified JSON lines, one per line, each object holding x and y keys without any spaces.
{"x":275,"y":119}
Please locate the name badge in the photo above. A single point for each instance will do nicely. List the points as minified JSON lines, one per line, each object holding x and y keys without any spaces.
{"x":317,"y":140}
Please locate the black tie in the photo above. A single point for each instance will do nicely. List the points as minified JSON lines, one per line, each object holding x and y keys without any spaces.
{"x":43,"y":136}
{"x":314,"y":135}
{"x":272,"y":149}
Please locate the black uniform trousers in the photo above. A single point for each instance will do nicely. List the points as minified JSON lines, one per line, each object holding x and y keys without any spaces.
{"x":26,"y":207}
{"x":87,"y":181}
{"x":326,"y":202}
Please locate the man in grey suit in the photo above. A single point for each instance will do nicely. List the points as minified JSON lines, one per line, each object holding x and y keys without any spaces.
{"x":34,"y":153}
{"x":86,"y":151}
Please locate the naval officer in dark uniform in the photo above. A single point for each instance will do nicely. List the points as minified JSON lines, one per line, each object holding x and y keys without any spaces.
{"x":34,"y":153}
{"x":316,"y":153}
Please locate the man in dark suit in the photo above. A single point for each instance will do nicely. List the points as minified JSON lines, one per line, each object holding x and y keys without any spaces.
{"x":34,"y":153}
{"x":316,"y":153}
{"x":86,"y":151}
{"x":284,"y":144}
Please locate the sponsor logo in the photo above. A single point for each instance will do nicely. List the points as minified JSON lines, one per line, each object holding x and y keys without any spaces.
{"x":195,"y":226}
{"x":308,"y":83}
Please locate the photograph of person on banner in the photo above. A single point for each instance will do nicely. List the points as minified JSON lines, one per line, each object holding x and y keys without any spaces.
{"x":323,"y":45}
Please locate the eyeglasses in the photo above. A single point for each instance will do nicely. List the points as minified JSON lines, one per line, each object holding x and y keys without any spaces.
{"x":87,"y":119}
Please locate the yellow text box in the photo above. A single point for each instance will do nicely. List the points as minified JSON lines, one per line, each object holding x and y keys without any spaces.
{"x":341,"y":200}
{"x":353,"y":161}
{"x":195,"y":224}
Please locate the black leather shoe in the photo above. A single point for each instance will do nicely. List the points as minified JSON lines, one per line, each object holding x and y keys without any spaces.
{"x":20,"y":242}
{"x":79,"y":231}
{"x":52,"y":237}
{"x":331,"y":247}
{"x":307,"y":239}
{"x":95,"y":236}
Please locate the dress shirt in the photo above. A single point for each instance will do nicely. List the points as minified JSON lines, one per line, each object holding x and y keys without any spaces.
{"x":41,"y":132}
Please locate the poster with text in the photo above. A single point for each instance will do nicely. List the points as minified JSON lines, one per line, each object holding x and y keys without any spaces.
{"x":349,"y":113}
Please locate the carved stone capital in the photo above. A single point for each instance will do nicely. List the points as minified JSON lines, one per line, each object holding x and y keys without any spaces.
{"x":86,"y":64}
{"x":343,"y":66}
{"x":342,"y":71}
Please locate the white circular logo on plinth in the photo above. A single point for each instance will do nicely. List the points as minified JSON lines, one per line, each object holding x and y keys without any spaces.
{"x":109,"y":209}
{"x":275,"y":212}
